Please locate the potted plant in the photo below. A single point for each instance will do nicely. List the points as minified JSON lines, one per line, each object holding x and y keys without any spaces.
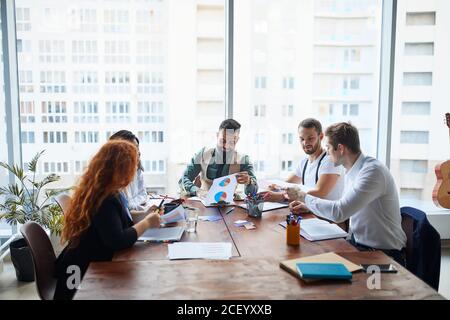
{"x":25,"y":200}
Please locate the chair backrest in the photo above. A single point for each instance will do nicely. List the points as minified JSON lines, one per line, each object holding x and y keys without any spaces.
{"x":423,"y":246}
{"x":63,"y":200}
{"x":43,"y":259}
{"x":408,"y":228}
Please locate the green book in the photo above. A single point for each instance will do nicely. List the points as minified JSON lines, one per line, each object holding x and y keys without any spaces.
{"x":310,"y":271}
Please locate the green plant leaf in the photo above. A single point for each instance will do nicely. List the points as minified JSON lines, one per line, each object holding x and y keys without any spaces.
{"x":33,"y":163}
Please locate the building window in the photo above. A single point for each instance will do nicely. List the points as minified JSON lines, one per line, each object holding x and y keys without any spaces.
{"x":117,"y":82}
{"x":27,"y":112}
{"x":56,"y":167}
{"x":80,"y":166}
{"x":287,"y":110}
{"x":26,"y":81}
{"x":288,"y":83}
{"x":84,"y":20}
{"x":150,"y":82}
{"x":260,"y":82}
{"x":260,"y":111}
{"x":415,"y":166}
{"x":53,"y":81}
{"x":51,"y":51}
{"x":151,"y":136}
{"x":85,"y":82}
{"x":85,"y":112}
{"x":287,"y":138}
{"x":419,"y":49}
{"x":420,"y":18}
{"x":150,"y":112}
{"x":117,"y":52}
{"x":86,"y":136}
{"x":259,"y":138}
{"x":54,"y":136}
{"x":116,"y":21}
{"x":416,"y":137}
{"x":259,"y":166}
{"x":354,"y":109}
{"x":351,"y":83}
{"x":352,"y":55}
{"x":84,"y":51}
{"x":23,"y":20}
{"x":286,"y":165}
{"x":117,"y":112}
{"x":154,"y":166}
{"x":417,"y":78}
{"x":27,"y":137}
{"x":54,"y":112}
{"x":416,"y":108}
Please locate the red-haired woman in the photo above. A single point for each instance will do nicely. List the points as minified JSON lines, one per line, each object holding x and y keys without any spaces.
{"x":98,"y":223}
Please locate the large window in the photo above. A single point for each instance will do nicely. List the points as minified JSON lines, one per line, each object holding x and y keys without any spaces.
{"x":297,"y":59}
{"x":90,"y":68}
{"x":420,"y":139}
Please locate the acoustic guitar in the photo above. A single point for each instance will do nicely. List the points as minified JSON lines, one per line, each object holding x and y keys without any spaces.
{"x":441,"y":191}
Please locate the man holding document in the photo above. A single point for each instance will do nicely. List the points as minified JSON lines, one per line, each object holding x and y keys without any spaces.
{"x":370,"y":198}
{"x":316,"y":171}
{"x":223,"y":160}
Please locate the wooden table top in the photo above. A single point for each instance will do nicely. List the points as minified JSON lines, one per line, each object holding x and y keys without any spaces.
{"x":145,"y":272}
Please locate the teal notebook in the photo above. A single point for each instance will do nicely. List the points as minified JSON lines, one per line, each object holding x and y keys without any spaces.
{"x":323,"y":271}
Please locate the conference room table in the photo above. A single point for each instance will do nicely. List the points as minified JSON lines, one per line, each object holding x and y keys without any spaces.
{"x":144,"y":271}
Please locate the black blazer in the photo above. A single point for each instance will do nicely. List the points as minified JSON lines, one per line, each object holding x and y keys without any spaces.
{"x":110,"y":230}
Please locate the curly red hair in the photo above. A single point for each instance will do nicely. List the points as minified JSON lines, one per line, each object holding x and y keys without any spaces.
{"x":111,"y":169}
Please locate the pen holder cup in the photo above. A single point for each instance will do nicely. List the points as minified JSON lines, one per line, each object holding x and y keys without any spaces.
{"x":293,"y":234}
{"x":254,"y":207}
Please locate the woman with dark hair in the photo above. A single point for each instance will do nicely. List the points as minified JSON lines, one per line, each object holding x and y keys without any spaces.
{"x":98,"y":223}
{"x":135,"y":193}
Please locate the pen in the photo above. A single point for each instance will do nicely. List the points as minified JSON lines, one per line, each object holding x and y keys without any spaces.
{"x":229,"y":211}
{"x":160,"y":204}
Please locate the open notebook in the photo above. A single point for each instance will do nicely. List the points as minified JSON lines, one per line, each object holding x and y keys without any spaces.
{"x":317,"y":229}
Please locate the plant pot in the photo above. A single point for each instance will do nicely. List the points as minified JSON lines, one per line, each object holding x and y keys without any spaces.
{"x":22,"y":260}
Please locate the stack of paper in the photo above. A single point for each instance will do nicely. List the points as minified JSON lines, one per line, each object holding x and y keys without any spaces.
{"x":318,"y":229}
{"x":177,"y":214}
{"x":200,"y":250}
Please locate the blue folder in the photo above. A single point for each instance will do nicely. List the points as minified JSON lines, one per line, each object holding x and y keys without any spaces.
{"x":323,"y":271}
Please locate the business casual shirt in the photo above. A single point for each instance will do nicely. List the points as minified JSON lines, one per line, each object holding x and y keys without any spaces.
{"x":371,"y":202}
{"x":215,"y":169}
{"x":111,"y":229}
{"x":135,"y":192}
{"x":326,"y":167}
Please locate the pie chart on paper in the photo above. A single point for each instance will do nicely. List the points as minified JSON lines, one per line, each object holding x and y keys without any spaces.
{"x":225,"y":182}
{"x":220,"y":196}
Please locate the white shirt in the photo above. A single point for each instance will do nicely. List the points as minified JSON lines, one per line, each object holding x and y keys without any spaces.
{"x":326,"y":167}
{"x":371,"y":202}
{"x":135,"y":192}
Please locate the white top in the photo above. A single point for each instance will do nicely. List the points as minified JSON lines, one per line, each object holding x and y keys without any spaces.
{"x":326,"y":167}
{"x":371,"y":202}
{"x":135,"y":192}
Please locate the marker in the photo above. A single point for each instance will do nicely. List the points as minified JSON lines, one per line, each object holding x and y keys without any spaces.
{"x":229,"y":211}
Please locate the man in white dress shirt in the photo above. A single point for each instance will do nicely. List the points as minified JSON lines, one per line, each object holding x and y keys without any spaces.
{"x":315,"y":171}
{"x":370,"y":197}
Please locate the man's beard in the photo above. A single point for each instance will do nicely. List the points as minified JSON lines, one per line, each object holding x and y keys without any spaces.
{"x":313,"y":150}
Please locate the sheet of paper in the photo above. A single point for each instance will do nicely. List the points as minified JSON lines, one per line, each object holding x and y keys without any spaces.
{"x":269,"y":206}
{"x":222,"y":189}
{"x":265,"y":183}
{"x":153,"y":202}
{"x":177,"y":214}
{"x":209,"y":218}
{"x":200,"y":250}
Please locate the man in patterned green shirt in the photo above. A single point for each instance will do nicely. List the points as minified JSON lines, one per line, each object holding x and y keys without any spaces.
{"x":212,"y":163}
